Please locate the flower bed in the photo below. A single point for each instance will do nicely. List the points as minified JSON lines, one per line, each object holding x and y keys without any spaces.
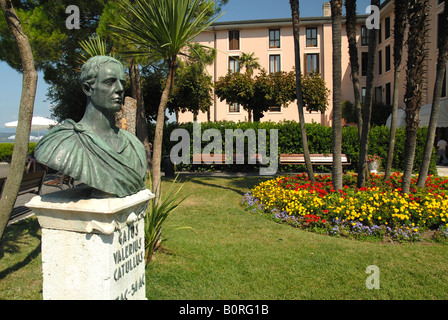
{"x":379,"y":210}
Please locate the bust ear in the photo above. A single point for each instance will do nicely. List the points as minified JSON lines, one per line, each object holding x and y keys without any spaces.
{"x":87,"y":89}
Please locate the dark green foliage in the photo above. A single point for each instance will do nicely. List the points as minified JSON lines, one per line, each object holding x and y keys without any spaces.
{"x":6,"y":150}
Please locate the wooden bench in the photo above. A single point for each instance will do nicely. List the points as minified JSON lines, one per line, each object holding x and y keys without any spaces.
{"x":31,"y":183}
{"x":316,"y":159}
{"x":220,"y":158}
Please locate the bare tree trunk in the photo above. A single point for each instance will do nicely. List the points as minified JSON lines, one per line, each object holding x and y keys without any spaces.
{"x":295,"y":21}
{"x":441,"y":66}
{"x":157,"y":151}
{"x":141,"y":126}
{"x":367,"y":109}
{"x":399,"y":30}
{"x":417,"y":52}
{"x":29,"y":85}
{"x":350,"y":26}
{"x":336,"y":17}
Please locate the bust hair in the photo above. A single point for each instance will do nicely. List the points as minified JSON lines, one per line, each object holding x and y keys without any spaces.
{"x":90,"y":69}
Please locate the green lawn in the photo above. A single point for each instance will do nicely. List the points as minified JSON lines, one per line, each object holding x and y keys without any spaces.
{"x":227,"y":253}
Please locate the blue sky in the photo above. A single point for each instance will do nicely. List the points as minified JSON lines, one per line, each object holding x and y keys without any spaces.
{"x":11,"y":81}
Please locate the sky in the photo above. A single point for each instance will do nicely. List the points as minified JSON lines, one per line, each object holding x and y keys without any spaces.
{"x":11,"y":81}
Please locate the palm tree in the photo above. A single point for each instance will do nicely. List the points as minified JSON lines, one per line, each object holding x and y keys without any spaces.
{"x":249,"y":61}
{"x":350,"y":26}
{"x":166,"y":27}
{"x":336,"y":17}
{"x":415,"y":81}
{"x":295,"y":22}
{"x":441,"y":66}
{"x":399,"y":29}
{"x":29,"y":85}
{"x":367,"y":108}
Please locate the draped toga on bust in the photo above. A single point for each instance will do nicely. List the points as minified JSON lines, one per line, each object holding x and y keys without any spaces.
{"x":86,"y":157}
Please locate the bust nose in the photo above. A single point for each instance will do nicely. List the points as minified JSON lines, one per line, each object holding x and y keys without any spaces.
{"x":119,"y":87}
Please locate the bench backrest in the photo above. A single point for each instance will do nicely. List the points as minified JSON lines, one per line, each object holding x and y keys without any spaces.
{"x":216,"y":158}
{"x":318,"y":158}
{"x":30,"y":181}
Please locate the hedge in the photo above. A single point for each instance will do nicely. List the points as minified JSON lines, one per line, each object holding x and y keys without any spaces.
{"x":289,"y":141}
{"x":6,"y":150}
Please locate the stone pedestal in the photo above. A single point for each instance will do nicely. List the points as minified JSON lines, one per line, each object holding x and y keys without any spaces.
{"x":92,"y":247}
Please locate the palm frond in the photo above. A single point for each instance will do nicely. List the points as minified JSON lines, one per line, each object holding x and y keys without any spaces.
{"x":92,"y":47}
{"x":158,"y":212}
{"x":165,"y":26}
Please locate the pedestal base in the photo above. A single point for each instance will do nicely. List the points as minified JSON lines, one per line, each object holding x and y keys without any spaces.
{"x":92,"y":248}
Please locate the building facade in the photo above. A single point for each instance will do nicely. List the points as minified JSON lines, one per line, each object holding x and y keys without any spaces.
{"x":272,"y":43}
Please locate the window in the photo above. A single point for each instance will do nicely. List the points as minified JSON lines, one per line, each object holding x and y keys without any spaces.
{"x":275,"y":109}
{"x":274,"y":38}
{"x":364,"y":63}
{"x":388,"y":58}
{"x":235,"y":107}
{"x":311,"y":37}
{"x":274,"y":63}
{"x":234,"y":64}
{"x":364,"y":36}
{"x":387,"y":27}
{"x":380,"y":62}
{"x":363,"y":94}
{"x":311,"y":63}
{"x":439,"y":28}
{"x":388,"y":94}
{"x":234,"y":40}
{"x":379,"y":94}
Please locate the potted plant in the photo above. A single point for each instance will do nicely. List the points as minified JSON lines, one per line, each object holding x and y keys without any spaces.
{"x":373,"y":162}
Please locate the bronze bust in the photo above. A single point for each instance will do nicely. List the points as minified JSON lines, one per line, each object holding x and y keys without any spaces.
{"x":94,"y":151}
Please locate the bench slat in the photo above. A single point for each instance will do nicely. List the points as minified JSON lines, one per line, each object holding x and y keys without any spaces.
{"x":30,"y":182}
{"x":320,"y":159}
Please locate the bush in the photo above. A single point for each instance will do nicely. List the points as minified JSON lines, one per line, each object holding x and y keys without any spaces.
{"x":290,"y":141}
{"x":6,"y":150}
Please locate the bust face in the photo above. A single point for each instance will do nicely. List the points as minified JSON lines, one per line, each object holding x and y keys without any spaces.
{"x":107,"y":92}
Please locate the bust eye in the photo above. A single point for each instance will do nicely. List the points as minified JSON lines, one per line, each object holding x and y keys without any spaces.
{"x":109,"y":82}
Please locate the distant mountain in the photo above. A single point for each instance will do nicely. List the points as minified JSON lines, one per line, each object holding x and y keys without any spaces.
{"x":5,"y":135}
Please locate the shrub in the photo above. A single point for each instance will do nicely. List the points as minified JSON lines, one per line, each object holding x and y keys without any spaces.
{"x":6,"y":150}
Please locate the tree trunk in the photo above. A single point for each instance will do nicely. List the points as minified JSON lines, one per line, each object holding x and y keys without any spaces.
{"x":141,"y":126}
{"x":399,"y":30}
{"x":29,"y":84}
{"x":441,"y":66}
{"x":350,"y":26}
{"x":157,"y":151}
{"x":367,"y":109}
{"x":416,"y":70}
{"x":336,"y":14}
{"x":295,"y":21}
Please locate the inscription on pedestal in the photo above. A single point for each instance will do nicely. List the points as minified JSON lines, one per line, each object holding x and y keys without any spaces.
{"x":129,"y":260}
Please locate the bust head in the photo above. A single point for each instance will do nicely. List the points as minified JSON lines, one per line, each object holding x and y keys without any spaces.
{"x":103,"y":82}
